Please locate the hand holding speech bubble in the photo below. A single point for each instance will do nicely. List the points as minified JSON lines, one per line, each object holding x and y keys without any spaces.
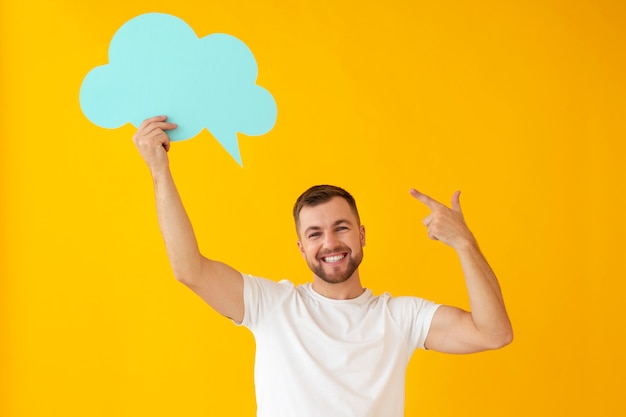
{"x":157,"y":65}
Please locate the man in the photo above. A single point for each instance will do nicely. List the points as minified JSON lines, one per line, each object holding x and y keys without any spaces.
{"x":330,"y":347}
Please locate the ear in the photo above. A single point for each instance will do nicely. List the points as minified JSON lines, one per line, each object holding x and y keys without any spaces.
{"x":362,"y":234}
{"x":301,"y":248}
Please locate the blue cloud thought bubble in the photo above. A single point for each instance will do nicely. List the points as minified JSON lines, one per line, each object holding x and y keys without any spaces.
{"x":158,"y":65}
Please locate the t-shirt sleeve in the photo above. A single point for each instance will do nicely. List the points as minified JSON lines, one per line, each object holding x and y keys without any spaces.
{"x":414,"y":316}
{"x":260,"y":297}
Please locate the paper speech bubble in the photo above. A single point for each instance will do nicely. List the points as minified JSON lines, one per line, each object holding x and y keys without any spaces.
{"x":158,"y":65}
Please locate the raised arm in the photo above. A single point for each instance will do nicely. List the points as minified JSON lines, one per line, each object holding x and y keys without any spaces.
{"x":454,"y":330}
{"x":216,"y":283}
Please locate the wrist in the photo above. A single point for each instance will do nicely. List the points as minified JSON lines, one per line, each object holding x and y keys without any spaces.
{"x":159,"y":170}
{"x":466,"y":244}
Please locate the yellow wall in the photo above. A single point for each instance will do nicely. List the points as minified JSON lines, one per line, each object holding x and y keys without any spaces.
{"x":521,"y":105}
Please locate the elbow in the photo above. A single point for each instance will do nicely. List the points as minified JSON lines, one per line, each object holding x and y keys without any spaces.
{"x":182,"y":277}
{"x":504,"y":341}
{"x":495,"y":338}
{"x":187,"y":269}
{"x":186,"y":276}
{"x":509,"y":337}
{"x":501,"y":340}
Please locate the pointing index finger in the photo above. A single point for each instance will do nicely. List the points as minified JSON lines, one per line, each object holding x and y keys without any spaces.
{"x":428,"y":201}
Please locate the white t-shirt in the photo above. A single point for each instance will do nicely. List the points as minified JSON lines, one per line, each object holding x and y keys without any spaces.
{"x":320,"y":357}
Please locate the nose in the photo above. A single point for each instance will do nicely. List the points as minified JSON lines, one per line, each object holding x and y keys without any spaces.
{"x":330,"y":241}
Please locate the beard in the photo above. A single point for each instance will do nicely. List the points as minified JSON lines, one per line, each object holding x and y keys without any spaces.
{"x":339,"y":276}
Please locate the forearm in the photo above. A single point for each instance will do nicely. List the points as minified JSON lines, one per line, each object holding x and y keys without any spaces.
{"x":176,"y":228}
{"x":487,"y":304}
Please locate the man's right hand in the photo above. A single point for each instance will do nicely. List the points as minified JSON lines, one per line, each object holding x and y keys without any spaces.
{"x":153,"y":142}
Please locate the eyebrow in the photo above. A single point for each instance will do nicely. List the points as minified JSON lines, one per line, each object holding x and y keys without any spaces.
{"x":335,"y":224}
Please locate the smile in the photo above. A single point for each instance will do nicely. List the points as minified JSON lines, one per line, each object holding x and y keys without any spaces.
{"x":333,"y":258}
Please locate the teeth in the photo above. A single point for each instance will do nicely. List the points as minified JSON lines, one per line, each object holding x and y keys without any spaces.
{"x":335,"y":258}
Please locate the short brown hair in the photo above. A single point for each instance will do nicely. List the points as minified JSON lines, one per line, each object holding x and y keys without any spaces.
{"x":319,"y":194}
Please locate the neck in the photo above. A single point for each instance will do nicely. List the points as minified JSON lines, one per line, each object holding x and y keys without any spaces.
{"x":349,"y":289}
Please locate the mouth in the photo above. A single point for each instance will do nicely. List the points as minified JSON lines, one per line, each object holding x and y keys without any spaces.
{"x":335,"y":258}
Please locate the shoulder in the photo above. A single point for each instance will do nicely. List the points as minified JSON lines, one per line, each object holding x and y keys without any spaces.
{"x":266,"y":291}
{"x":262,"y":297}
{"x":413,"y":315}
{"x":408,"y":307}
{"x":263,"y":284}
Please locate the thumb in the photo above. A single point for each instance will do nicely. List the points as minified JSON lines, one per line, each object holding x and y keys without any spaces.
{"x":456,"y":202}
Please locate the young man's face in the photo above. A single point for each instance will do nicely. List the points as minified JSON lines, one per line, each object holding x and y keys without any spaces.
{"x":331,"y":240}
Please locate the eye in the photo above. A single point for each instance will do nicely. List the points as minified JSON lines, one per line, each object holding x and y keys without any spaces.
{"x":341,"y":228}
{"x":314,"y":235}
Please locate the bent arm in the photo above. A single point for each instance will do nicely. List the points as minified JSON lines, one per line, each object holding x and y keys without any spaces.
{"x":216,"y":283}
{"x":487,"y":326}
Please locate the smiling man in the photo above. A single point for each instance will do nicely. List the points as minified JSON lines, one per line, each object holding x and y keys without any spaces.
{"x":330,"y":347}
{"x":331,"y":237}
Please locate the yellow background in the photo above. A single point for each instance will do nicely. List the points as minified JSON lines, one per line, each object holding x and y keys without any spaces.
{"x":521,"y":105}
